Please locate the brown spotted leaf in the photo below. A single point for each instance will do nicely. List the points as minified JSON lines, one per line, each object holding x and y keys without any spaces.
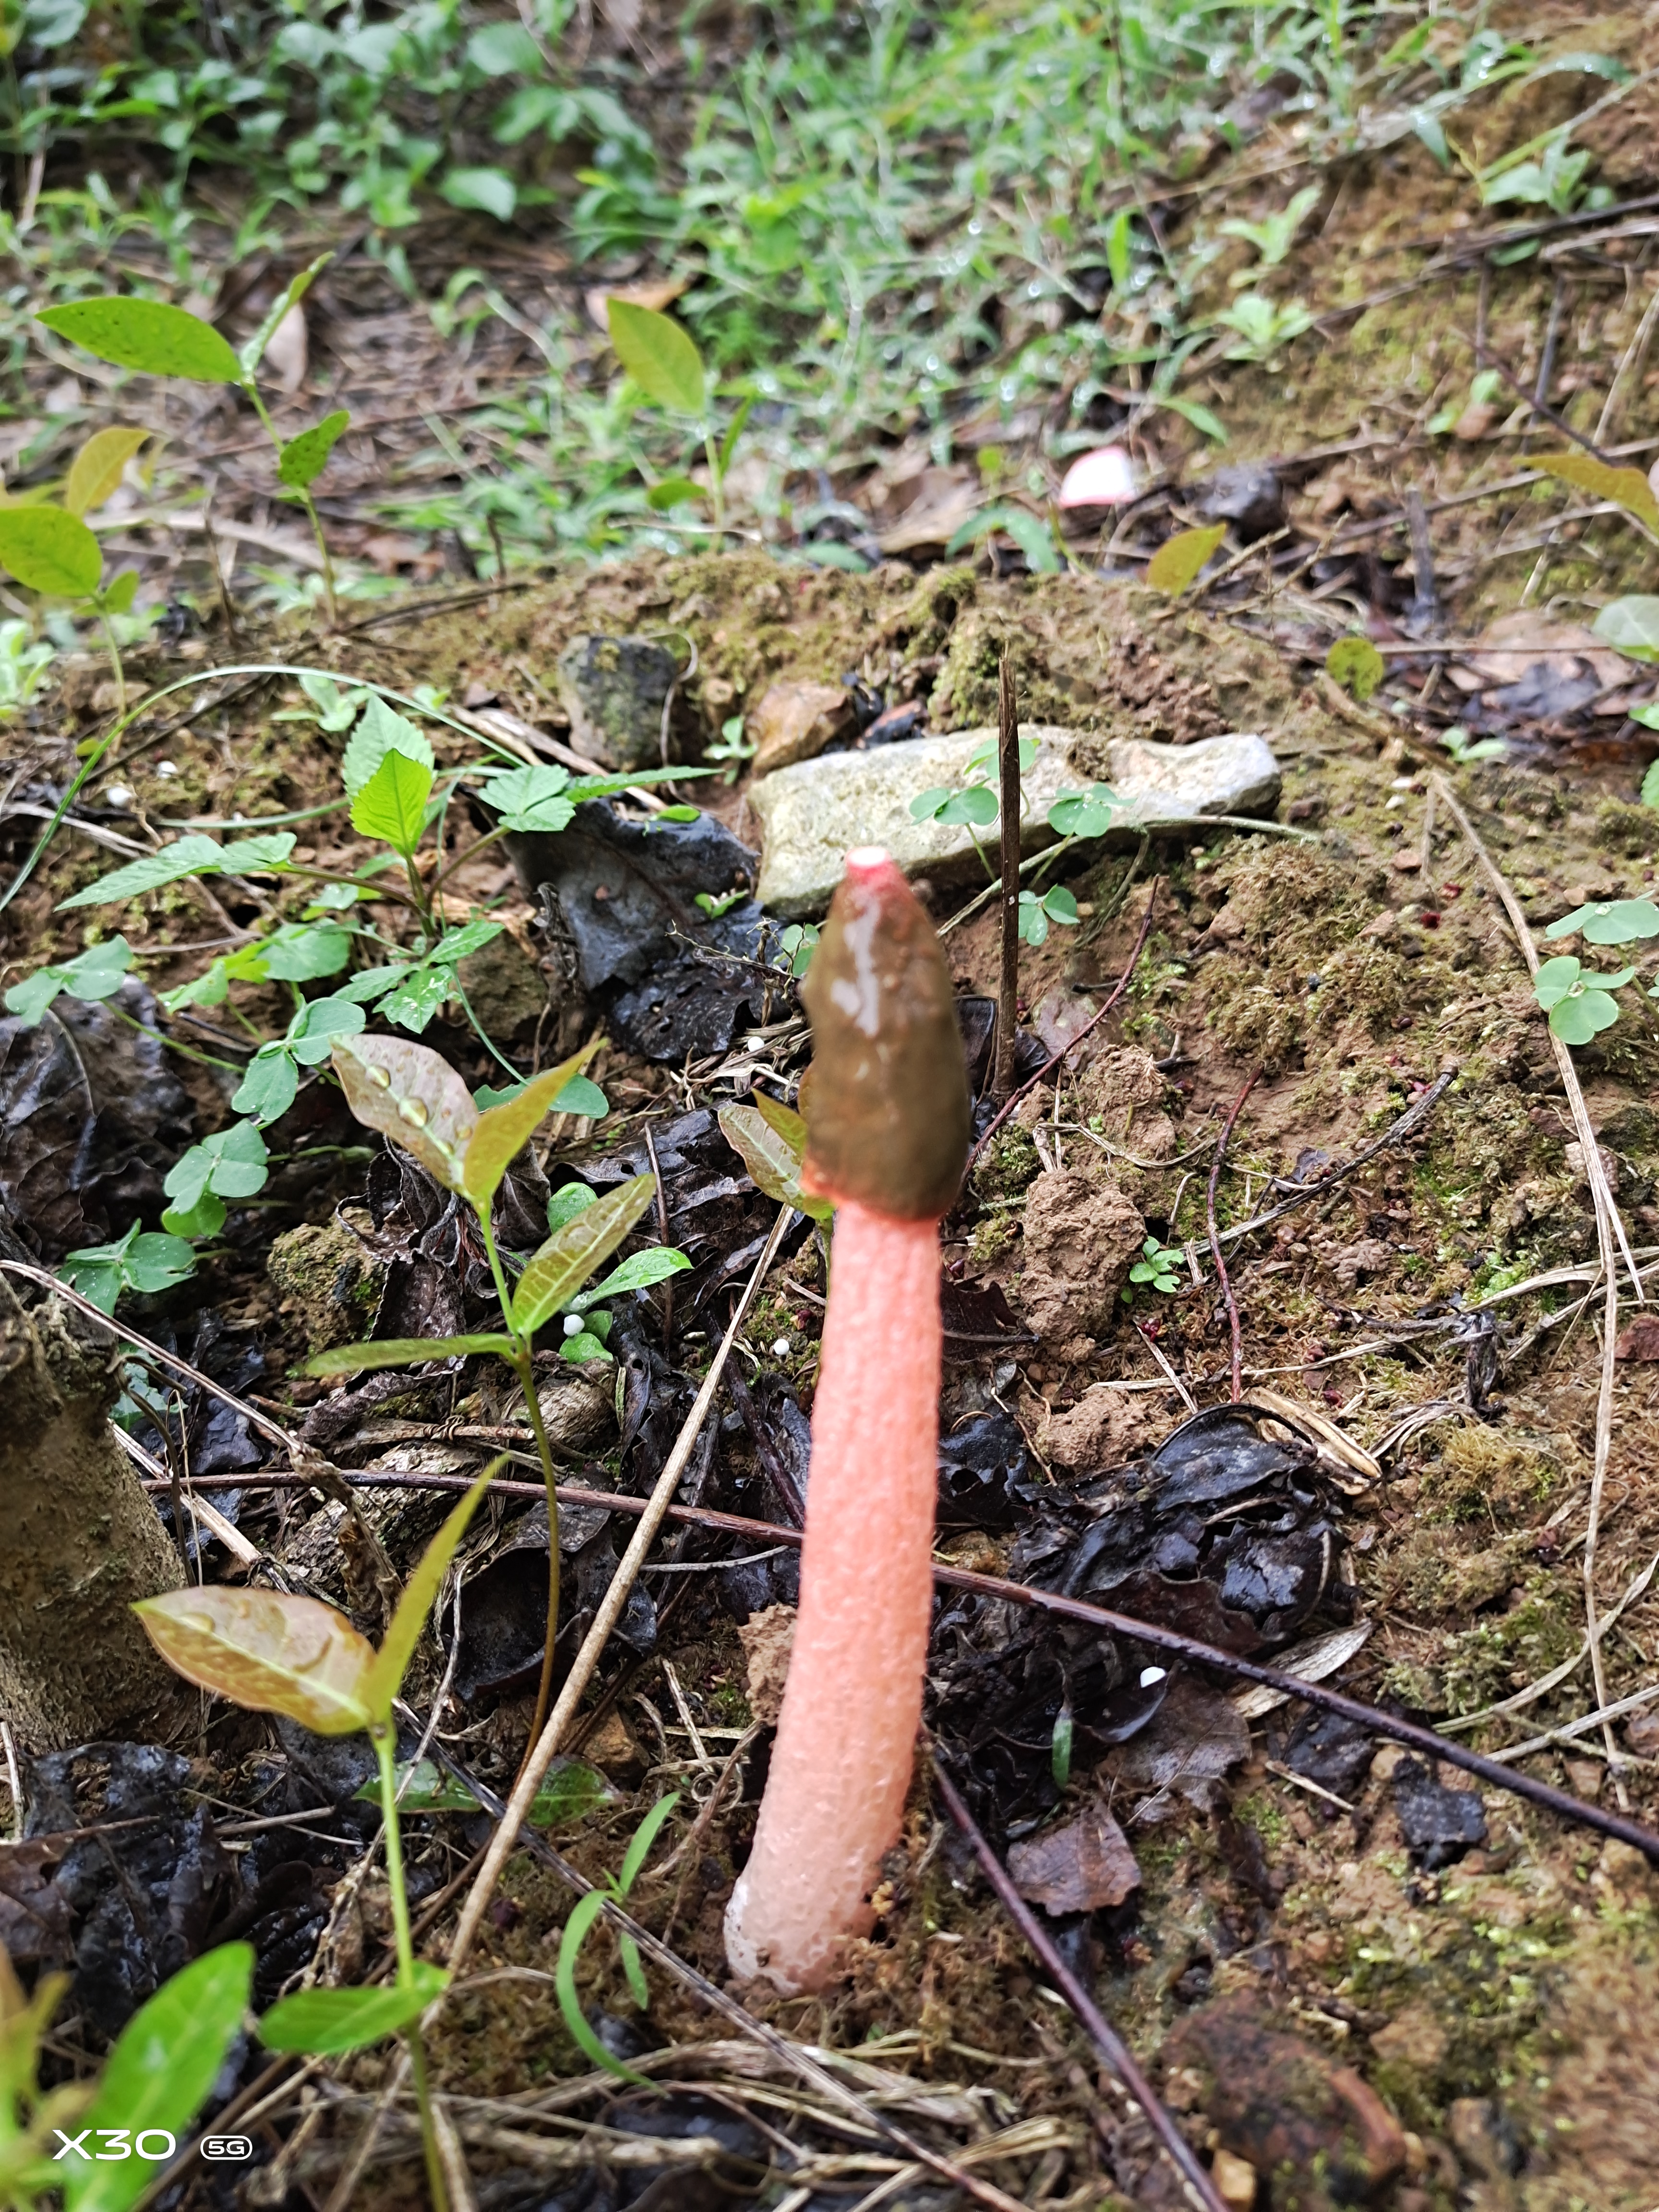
{"x":411,"y":1095}
{"x":1083,"y":1867}
{"x":267,"y":1651}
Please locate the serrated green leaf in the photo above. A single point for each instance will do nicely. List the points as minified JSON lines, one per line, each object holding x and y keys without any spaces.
{"x":570,"y":1256}
{"x":531,"y":798}
{"x":386,"y":1677}
{"x":159,"y":2076}
{"x":147,"y":335}
{"x":1179,"y":559}
{"x":405,"y":1352}
{"x":503,"y":1131}
{"x":382,"y":729}
{"x":660,"y":356}
{"x":391,"y":805}
{"x":327,"y":2023}
{"x":301,"y":952}
{"x":266,"y":1650}
{"x":98,"y":468}
{"x":303,"y":459}
{"x":50,"y":552}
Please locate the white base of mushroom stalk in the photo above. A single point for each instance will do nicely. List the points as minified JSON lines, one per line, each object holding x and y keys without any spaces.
{"x":840,"y":1766}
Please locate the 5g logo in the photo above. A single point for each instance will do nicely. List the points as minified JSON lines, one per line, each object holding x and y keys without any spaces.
{"x":220,"y":2148}
{"x":120,"y":2143}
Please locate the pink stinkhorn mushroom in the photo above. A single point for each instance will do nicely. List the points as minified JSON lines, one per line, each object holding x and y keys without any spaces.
{"x":888,"y":1125}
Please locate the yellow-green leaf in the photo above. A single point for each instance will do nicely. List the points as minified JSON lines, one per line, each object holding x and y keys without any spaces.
{"x":330,"y":2022}
{"x":267,"y":1651}
{"x":96,"y":468}
{"x":1179,"y":559}
{"x":505,"y":1130}
{"x":1356,"y":664}
{"x":385,"y":1678}
{"x":49,"y":551}
{"x":1626,"y":488}
{"x":570,"y":1256}
{"x":770,"y":1139}
{"x":405,"y":1352}
{"x":148,"y":335}
{"x":658,"y":353}
{"x":412,"y":1095}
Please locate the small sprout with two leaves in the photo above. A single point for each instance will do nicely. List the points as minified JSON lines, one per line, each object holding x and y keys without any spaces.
{"x":609,"y":1890}
{"x":51,"y":549}
{"x":1038,"y":909}
{"x":731,"y":748}
{"x":1158,"y":1268}
{"x":273,"y":1652}
{"x":1465,"y":750}
{"x":1579,"y":1001}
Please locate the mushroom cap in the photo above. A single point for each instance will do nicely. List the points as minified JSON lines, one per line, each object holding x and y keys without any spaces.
{"x":886,"y":1104}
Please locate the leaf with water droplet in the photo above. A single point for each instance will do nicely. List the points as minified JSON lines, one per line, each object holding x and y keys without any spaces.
{"x":411,"y":1095}
{"x":571,"y":1254}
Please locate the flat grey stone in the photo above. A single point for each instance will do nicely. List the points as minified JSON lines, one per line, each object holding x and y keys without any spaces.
{"x":811,"y":814}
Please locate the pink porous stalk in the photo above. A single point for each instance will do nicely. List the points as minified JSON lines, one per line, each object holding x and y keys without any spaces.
{"x":887,"y":1115}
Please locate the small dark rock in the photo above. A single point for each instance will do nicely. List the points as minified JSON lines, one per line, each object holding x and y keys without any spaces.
{"x":1248,"y":495}
{"x":1439,"y":1825}
{"x":614,"y":690}
{"x":1332,"y":1750}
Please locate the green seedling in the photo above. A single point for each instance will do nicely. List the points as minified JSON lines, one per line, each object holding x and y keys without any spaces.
{"x":661,"y":358}
{"x":1484,"y":388}
{"x":1263,"y":327}
{"x":1357,"y":666}
{"x":145,"y":1261}
{"x":1158,"y":1268}
{"x":795,"y":946}
{"x":577,"y":1929}
{"x":23,"y":664}
{"x":1464,"y":750}
{"x":1037,"y":911}
{"x":1032,"y":533}
{"x":1578,"y":1000}
{"x":158,"y":340}
{"x":97,"y":2146}
{"x":412,"y":1096}
{"x":97,"y":973}
{"x":276,"y":1653}
{"x":51,"y":551}
{"x":731,"y":748}
{"x":1274,"y":236}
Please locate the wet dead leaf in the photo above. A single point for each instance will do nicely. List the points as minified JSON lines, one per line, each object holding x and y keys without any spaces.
{"x":1640,"y":1340}
{"x":1083,"y":1867}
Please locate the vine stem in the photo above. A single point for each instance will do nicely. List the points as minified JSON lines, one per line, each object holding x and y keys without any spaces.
{"x":384,"y":1741}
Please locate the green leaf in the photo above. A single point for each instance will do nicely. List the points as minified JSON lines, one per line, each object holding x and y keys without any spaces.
{"x":117,"y":597}
{"x":1609,"y":921}
{"x":1649,"y":791}
{"x":566,"y":1203}
{"x":673,"y":491}
{"x":269,"y":1086}
{"x":1179,"y":559}
{"x":229,"y":1163}
{"x":1357,"y":666}
{"x":98,"y":468}
{"x":1060,"y":906}
{"x":977,"y":805}
{"x":411,"y":1095}
{"x":194,"y":855}
{"x":770,"y":1139}
{"x":420,"y":993}
{"x":204,"y":1218}
{"x":405,"y":1352}
{"x":1626,"y":487}
{"x":638,"y":1272}
{"x":381,"y":730}
{"x":925,"y":806}
{"x":391,"y":805}
{"x":1554,"y":979}
{"x":503,"y":1133}
{"x":583,"y":1914}
{"x":97,"y":973}
{"x":1204,"y":420}
{"x":1032,"y":535}
{"x":1631,"y":626}
{"x":49,"y":551}
{"x":159,"y":2074}
{"x":142,"y":1261}
{"x":490,"y":192}
{"x":645,"y":1835}
{"x":1577,"y":1020}
{"x":254,"y":351}
{"x":583,"y":1098}
{"x":327,"y":2023}
{"x":584,"y":1345}
{"x":266,"y":1650}
{"x":1090,"y":814}
{"x":531,"y":798}
{"x":386,"y":1677}
{"x":570,"y":1792}
{"x":147,"y":335}
{"x":303,"y":460}
{"x":313,"y":1032}
{"x":504,"y":49}
{"x":659,"y":354}
{"x":570,"y":1256}
{"x":300,"y":952}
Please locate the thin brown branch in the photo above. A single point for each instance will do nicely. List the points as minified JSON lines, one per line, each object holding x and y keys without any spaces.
{"x":1008,"y":842}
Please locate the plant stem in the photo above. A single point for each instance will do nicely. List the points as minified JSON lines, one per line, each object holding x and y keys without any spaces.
{"x":1008,"y":840}
{"x":114,"y":662}
{"x":716,"y":489}
{"x":306,"y":500}
{"x":524,"y":1366}
{"x":384,"y":1739}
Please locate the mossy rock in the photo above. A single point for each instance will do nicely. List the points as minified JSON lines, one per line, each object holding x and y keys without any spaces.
{"x":324,"y":1273}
